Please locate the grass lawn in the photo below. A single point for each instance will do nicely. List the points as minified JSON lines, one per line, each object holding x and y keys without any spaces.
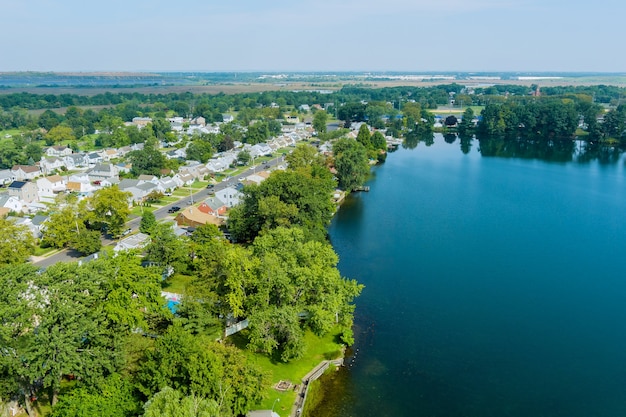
{"x":138,"y":210}
{"x":318,"y":349}
{"x":44,"y":251}
{"x":177,"y":283}
{"x":9,"y":132}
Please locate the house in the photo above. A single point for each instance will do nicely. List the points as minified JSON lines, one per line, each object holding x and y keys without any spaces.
{"x":136,"y":241}
{"x":11,"y":203}
{"x":76,"y":160}
{"x":213,"y":206}
{"x":24,"y":191}
{"x":6,"y":177}
{"x":229,"y":195}
{"x":227,"y":118}
{"x":141,"y":121}
{"x":94,"y":158}
{"x":193,"y":217}
{"x":50,"y":164}
{"x":103,"y":172}
{"x":59,"y":151}
{"x":109,"y":154}
{"x":185,"y":178}
{"x":25,"y":172}
{"x":51,"y":186}
{"x":199,"y":121}
{"x":38,"y":225}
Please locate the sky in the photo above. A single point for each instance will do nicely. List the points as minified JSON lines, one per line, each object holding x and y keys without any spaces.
{"x":307,"y":35}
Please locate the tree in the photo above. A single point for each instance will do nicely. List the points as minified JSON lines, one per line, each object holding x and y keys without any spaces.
{"x":86,"y":242}
{"x":63,"y":226}
{"x":112,"y":397}
{"x":351,"y":163}
{"x":172,"y":403}
{"x":148,"y":222}
{"x":466,"y":126}
{"x":378,"y":141}
{"x":194,"y":364}
{"x":243,"y":158}
{"x":304,"y":156}
{"x":17,"y":243}
{"x":108,"y":210}
{"x":319,"y":121}
{"x":302,"y":197}
{"x":165,"y":248}
{"x":147,"y":161}
{"x":364,"y":136}
{"x":60,"y":134}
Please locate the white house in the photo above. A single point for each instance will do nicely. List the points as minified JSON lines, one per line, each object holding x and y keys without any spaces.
{"x":10,"y":202}
{"x":229,"y":195}
{"x":59,"y":151}
{"x":51,"y":186}
{"x":25,"y":172}
{"x":6,"y":177}
{"x":136,"y":241}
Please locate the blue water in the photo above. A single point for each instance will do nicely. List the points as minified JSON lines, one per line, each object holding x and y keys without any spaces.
{"x":494,"y":287}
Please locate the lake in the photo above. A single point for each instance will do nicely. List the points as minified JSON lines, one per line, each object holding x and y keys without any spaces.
{"x":495,"y":283}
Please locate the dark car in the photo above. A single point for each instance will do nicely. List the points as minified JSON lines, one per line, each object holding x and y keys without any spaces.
{"x":173,"y":209}
{"x":210,"y":186}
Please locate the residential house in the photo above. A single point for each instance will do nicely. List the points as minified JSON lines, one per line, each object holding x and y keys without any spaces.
{"x":24,"y":191}
{"x":51,"y":186}
{"x":51,"y":164}
{"x":184,"y":178}
{"x":6,"y":177}
{"x":168,"y":184}
{"x":59,"y":151}
{"x":103,"y":172}
{"x":11,"y":203}
{"x":38,"y":225}
{"x":229,"y":195}
{"x":25,"y":172}
{"x":76,"y":160}
{"x":227,"y":118}
{"x":198,"y":121}
{"x":213,"y":206}
{"x":136,"y":241}
{"x":193,"y":217}
{"x":141,"y":122}
{"x":94,"y":158}
{"x":109,"y":154}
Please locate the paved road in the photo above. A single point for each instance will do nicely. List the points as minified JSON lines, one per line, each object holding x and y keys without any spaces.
{"x":70,"y":255}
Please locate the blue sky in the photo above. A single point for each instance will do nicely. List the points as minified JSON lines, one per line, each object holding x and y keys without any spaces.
{"x":307,"y":35}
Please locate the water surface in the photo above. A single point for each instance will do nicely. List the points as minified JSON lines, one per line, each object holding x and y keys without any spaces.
{"x":494,"y":286}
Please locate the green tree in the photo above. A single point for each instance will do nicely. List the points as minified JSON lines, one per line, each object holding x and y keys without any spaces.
{"x":171,"y":403}
{"x":86,"y":242}
{"x":63,"y":226}
{"x":351,"y":163}
{"x":304,"y":156}
{"x":148,"y":160}
{"x":167,"y":249}
{"x":243,"y":158}
{"x":308,"y":190}
{"x":17,"y":243}
{"x":60,"y":134}
{"x":319,"y":121}
{"x":466,"y":126}
{"x":364,"y":136}
{"x":112,"y":397}
{"x":148,"y":222}
{"x":195,"y":364}
{"x":108,"y":209}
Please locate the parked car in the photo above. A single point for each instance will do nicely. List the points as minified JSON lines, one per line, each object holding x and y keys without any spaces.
{"x":173,"y":209}
{"x":126,"y":232}
{"x":210,"y":186}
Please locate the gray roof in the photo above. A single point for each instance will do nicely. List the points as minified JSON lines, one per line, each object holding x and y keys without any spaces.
{"x":39,"y":219}
{"x":127,"y":183}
